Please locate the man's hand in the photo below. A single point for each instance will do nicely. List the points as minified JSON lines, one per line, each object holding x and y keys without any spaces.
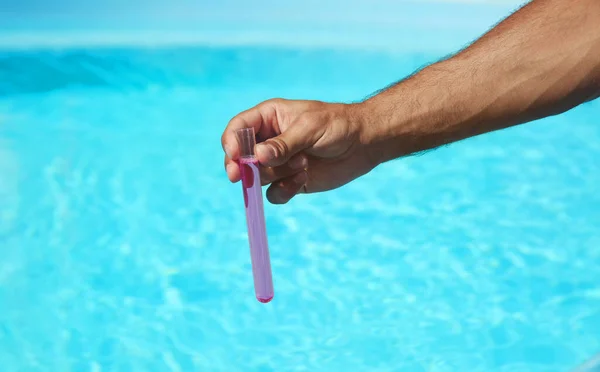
{"x":303,"y":146}
{"x":541,"y":61}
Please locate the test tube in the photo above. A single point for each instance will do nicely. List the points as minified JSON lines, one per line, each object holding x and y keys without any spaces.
{"x":255,"y":216}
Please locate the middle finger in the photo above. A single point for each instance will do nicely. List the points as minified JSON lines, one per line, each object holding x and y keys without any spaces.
{"x":295,"y":165}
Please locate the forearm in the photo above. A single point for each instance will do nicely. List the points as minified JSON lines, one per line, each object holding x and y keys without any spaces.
{"x":541,"y":61}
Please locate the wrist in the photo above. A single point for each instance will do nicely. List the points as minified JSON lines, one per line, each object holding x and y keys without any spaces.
{"x":373,"y":133}
{"x":367,"y":136}
{"x":413,"y":116}
{"x":389,"y":128}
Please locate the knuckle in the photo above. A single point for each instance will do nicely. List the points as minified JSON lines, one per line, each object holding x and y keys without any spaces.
{"x":273,"y":195}
{"x":233,"y":121}
{"x":274,"y":106}
{"x":275,"y":101}
{"x":308,"y":120}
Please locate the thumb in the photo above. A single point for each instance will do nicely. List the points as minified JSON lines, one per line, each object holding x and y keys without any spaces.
{"x":279,"y":150}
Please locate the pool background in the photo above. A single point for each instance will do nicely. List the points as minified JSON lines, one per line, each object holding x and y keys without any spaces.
{"x":124,"y":246}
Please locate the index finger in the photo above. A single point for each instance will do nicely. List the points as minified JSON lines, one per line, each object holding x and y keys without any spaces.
{"x":258,"y":117}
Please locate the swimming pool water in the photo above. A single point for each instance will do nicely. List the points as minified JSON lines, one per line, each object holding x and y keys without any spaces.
{"x":124,"y":246}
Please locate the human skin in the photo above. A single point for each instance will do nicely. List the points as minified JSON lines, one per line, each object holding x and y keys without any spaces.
{"x":541,"y":61}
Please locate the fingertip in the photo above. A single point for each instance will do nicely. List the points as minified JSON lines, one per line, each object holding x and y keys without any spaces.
{"x":230,"y":149}
{"x":283,"y":191}
{"x":265,"y":154}
{"x":233,"y":172}
{"x":273,"y":195}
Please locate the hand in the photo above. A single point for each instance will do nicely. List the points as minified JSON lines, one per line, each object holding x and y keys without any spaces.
{"x":302,"y":146}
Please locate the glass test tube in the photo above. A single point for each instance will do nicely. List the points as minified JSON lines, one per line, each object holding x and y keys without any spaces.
{"x":255,"y":216}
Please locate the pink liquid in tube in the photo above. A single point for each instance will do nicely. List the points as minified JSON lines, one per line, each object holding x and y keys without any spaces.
{"x":255,"y":216}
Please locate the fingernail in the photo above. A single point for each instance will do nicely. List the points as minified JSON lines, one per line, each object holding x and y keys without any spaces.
{"x":274,"y":195}
{"x":267,"y":152}
{"x":228,"y":151}
{"x":298,"y":162}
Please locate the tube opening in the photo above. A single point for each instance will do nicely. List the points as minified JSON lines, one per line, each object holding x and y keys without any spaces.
{"x":247,"y":140}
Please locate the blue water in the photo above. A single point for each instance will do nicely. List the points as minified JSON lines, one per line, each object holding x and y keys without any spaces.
{"x":124,"y":246}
